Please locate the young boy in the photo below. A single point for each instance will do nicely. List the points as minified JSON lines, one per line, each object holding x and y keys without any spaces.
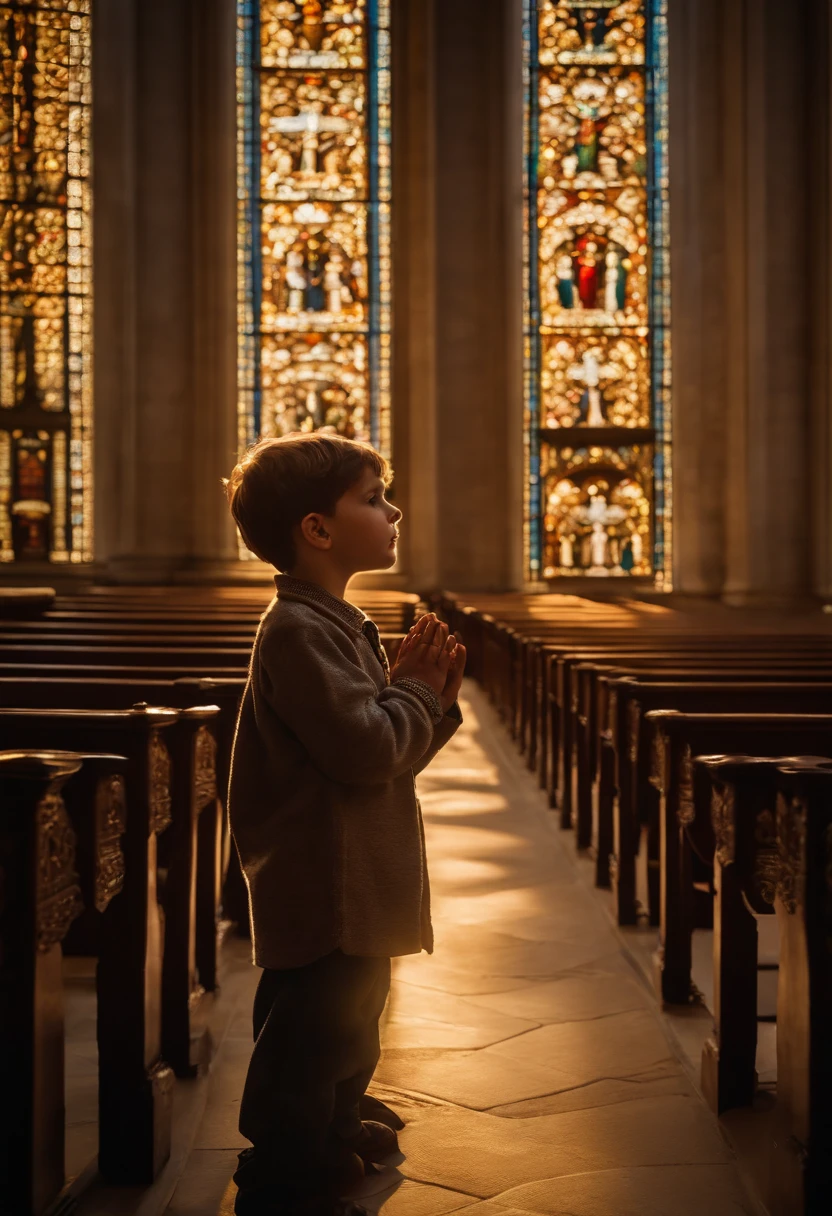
{"x":325,"y":817}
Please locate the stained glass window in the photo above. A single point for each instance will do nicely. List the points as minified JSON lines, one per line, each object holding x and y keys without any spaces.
{"x":313,"y":90}
{"x":45,"y":282}
{"x":597,"y":359}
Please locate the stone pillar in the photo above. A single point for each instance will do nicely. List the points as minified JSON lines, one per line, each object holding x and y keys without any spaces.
{"x":478,"y":320}
{"x":768,"y":504}
{"x":457,"y":224}
{"x":698,"y":240}
{"x":744,"y":263}
{"x":213,"y":417}
{"x":820,"y":240}
{"x":164,"y":131}
{"x":414,"y":429}
{"x":114,"y":274}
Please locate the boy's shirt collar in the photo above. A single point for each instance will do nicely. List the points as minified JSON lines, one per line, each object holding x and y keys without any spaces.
{"x":310,"y":593}
{"x":347,"y":614}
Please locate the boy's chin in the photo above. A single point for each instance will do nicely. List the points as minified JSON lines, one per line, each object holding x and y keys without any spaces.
{"x":384,"y":561}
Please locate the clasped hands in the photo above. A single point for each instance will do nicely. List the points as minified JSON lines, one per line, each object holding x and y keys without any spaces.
{"x":431,"y":654}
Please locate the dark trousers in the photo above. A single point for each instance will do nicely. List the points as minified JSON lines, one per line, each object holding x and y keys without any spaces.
{"x":316,"y":1048}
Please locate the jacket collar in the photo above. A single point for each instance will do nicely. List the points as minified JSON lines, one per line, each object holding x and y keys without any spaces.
{"x":289,"y":588}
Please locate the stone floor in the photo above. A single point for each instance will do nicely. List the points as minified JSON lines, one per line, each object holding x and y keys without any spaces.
{"x":526,"y":1055}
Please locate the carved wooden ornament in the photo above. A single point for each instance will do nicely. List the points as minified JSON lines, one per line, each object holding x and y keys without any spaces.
{"x":111,"y":816}
{"x":767,"y":860}
{"x":686,"y":812}
{"x":791,"y":848}
{"x":58,"y":893}
{"x":160,"y":774}
{"x":633,"y":724}
{"x":205,"y":766}
{"x":724,"y":824}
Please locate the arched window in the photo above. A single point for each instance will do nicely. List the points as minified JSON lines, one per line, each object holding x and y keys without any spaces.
{"x":45,"y":282}
{"x":597,"y":365}
{"x":314,"y":218}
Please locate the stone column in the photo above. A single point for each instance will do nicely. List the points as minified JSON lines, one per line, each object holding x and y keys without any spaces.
{"x":698,"y":249}
{"x":414,"y":428}
{"x":165,"y":285}
{"x":114,"y":275}
{"x":744,"y":265}
{"x":457,"y":222}
{"x":478,"y":320}
{"x":820,"y":240}
{"x":213,"y":417}
{"x":768,"y":502}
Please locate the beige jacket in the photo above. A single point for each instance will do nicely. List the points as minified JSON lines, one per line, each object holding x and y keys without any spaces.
{"x":322,"y":798}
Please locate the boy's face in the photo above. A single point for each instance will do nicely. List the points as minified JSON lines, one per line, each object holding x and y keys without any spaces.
{"x":364,"y":529}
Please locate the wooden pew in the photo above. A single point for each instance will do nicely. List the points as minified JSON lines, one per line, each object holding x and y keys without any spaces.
{"x":802,"y":1147}
{"x":634,"y":801}
{"x":22,"y":602}
{"x":650,"y":654}
{"x":592,"y":680}
{"x":206,"y":795}
{"x":676,"y":739}
{"x":393,"y":611}
{"x":39,"y":897}
{"x":170,"y":653}
{"x":189,"y":852}
{"x":542,"y":696}
{"x":135,"y":1082}
{"x":515,"y":630}
{"x":734,"y":829}
{"x":771,"y":823}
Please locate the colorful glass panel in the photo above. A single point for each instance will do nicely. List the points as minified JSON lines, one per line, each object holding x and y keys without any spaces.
{"x":314,"y":191}
{"x":597,"y":510}
{"x":596,"y":275}
{"x":45,"y":281}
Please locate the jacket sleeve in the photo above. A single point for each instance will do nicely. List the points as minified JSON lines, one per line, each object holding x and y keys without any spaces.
{"x":442,"y":732}
{"x":353,"y":733}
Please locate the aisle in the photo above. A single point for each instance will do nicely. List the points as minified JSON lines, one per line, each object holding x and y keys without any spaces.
{"x":525,"y":1054}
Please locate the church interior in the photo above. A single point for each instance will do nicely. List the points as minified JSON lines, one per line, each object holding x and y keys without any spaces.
{"x":567,"y":264}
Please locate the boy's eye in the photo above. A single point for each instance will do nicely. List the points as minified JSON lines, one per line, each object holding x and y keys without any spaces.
{"x":374,"y":498}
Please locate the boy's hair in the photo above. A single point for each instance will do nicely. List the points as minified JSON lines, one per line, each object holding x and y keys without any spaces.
{"x":279,"y":481}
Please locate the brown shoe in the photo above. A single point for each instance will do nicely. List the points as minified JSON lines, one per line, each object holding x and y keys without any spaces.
{"x":331,"y":1207}
{"x":346,"y":1173}
{"x":328,"y":1193}
{"x":374,"y":1109}
{"x":374,"y":1142}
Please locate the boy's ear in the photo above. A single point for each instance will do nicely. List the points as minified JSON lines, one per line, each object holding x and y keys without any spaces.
{"x":314,"y":532}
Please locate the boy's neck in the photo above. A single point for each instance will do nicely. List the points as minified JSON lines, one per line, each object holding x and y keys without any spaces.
{"x":333,"y":581}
